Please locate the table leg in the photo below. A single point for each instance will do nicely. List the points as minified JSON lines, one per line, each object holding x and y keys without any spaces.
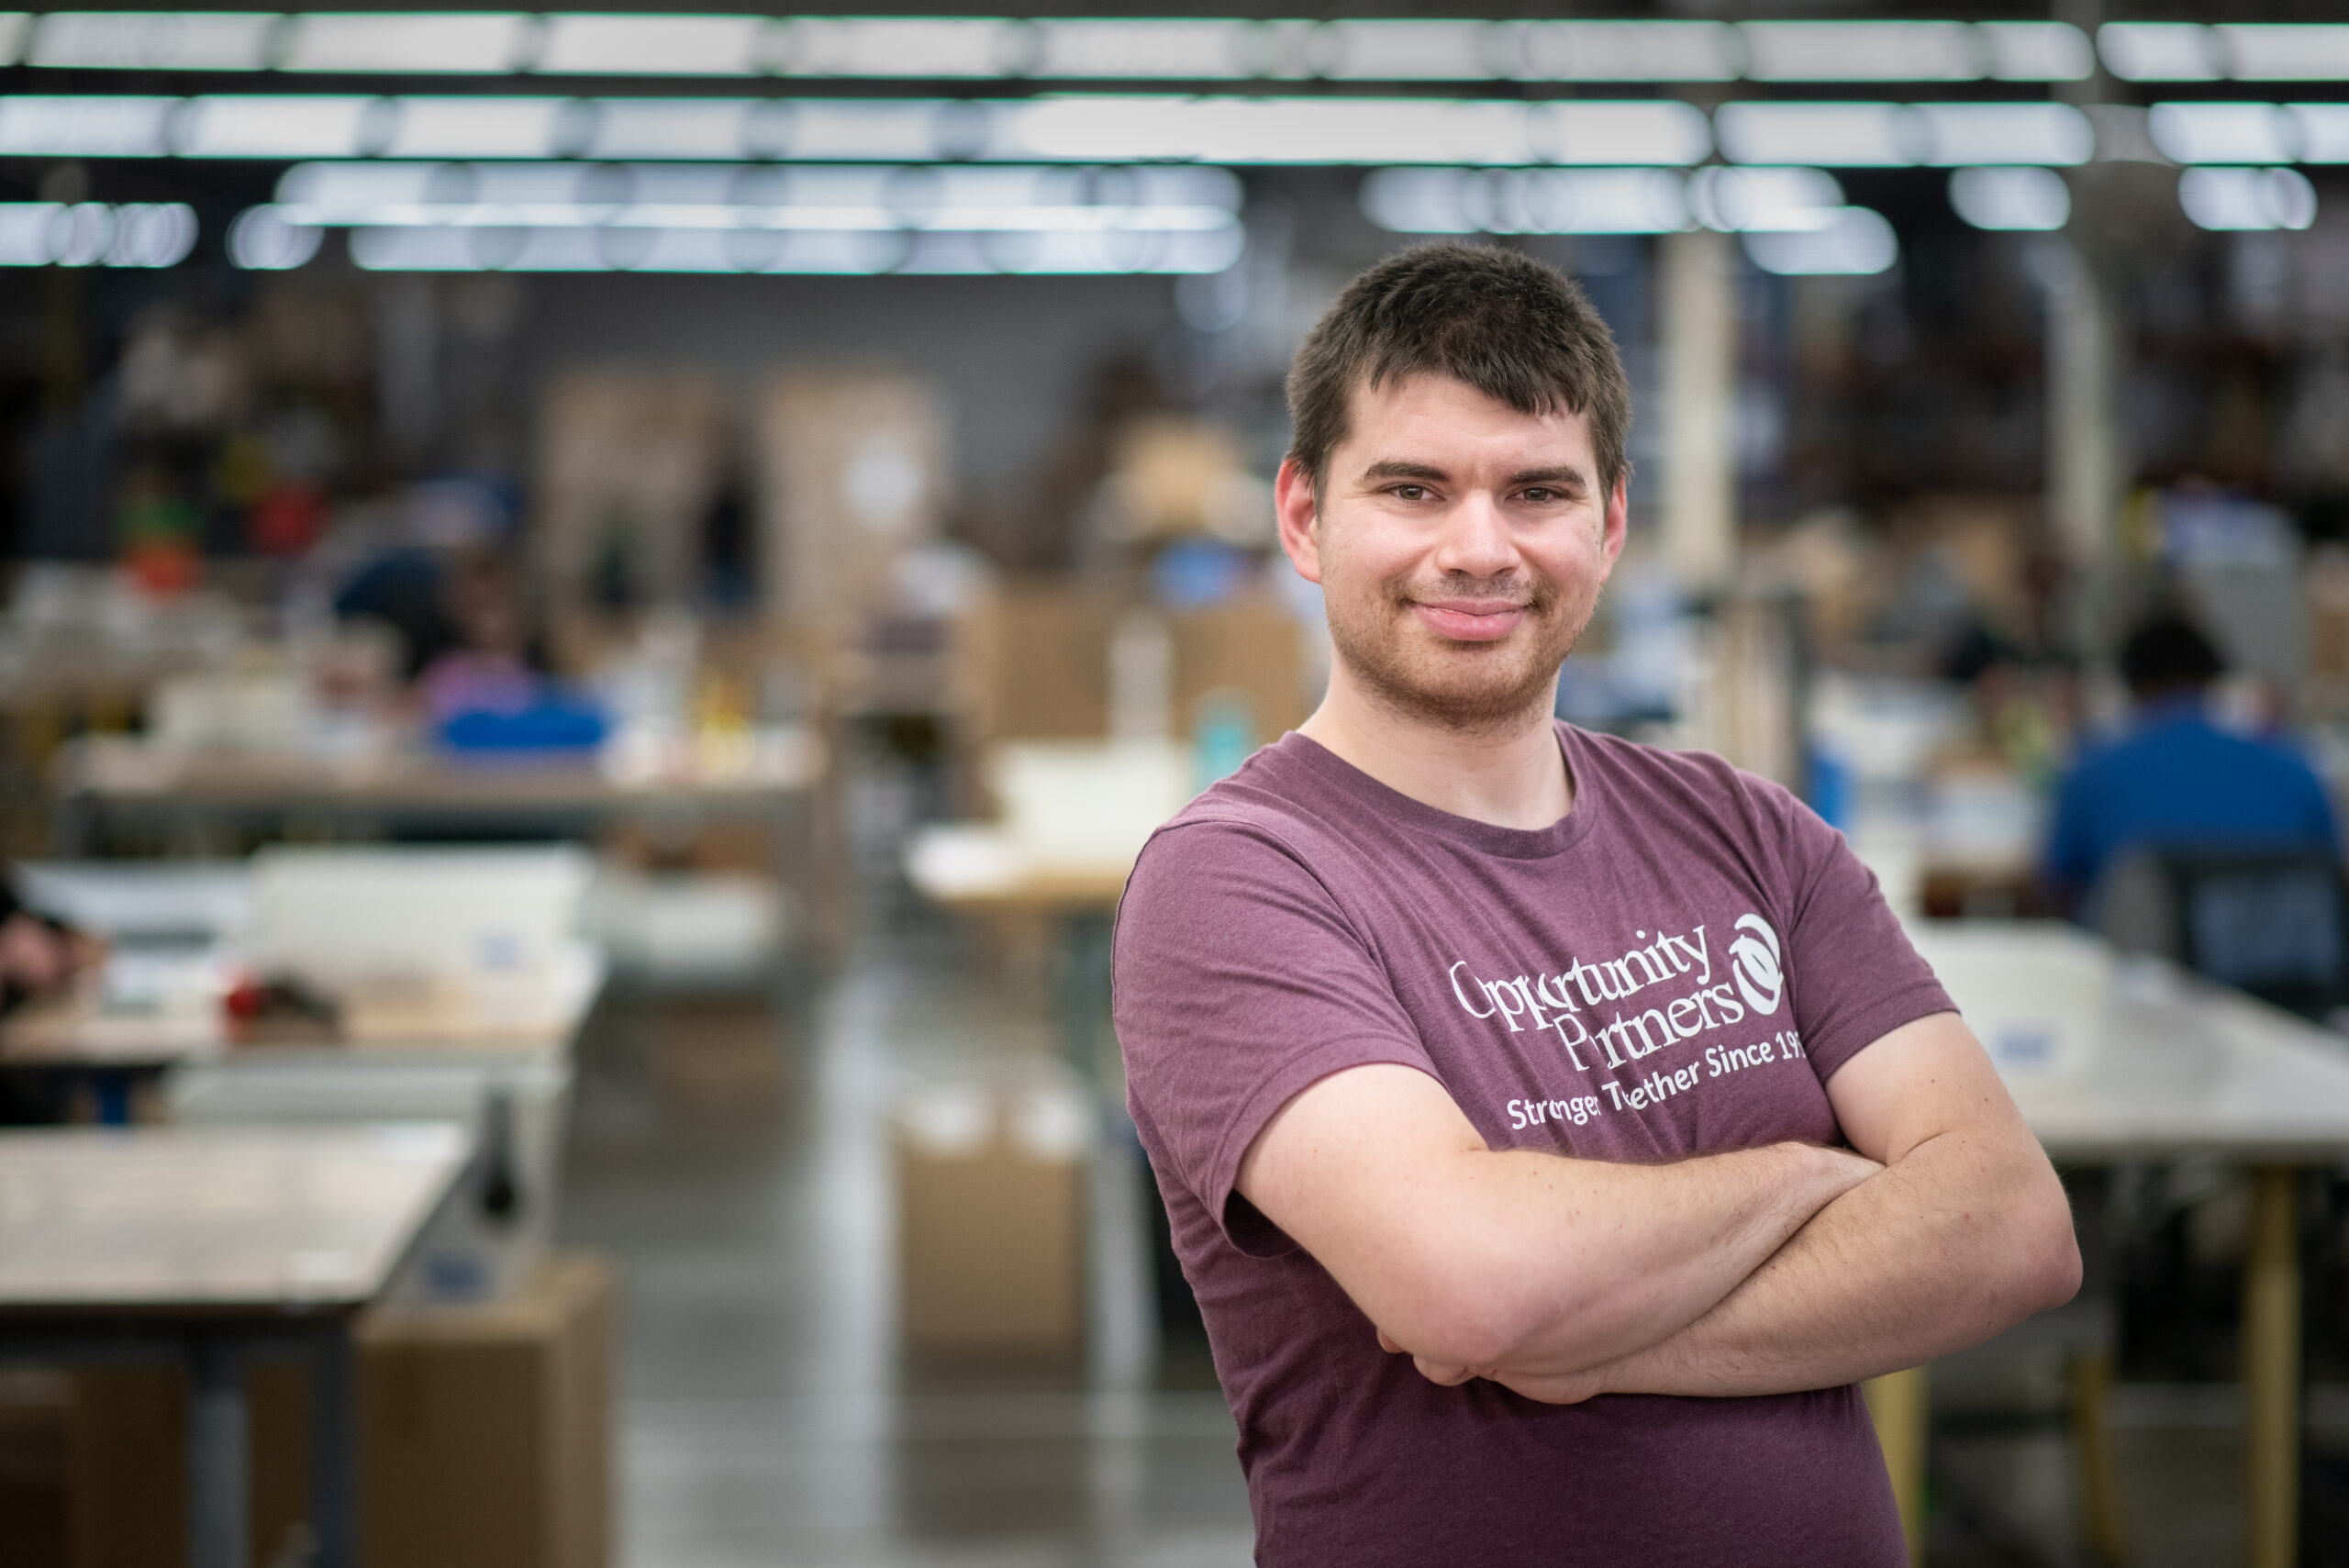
{"x":2271,"y":1374}
{"x":1085,"y":990}
{"x":334,"y":1450}
{"x":1900,"y":1403}
{"x":218,"y":1439}
{"x":110,"y":1089}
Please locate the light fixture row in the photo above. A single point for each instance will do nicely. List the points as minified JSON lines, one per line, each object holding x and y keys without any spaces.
{"x":960,"y":197}
{"x":95,"y":234}
{"x":1052,"y":49}
{"x":1103,"y":129}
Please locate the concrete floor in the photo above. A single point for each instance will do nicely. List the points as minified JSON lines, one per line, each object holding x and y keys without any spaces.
{"x":767,"y":1417}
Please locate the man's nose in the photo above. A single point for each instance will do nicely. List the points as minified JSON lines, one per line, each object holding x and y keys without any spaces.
{"x":1475,"y":541}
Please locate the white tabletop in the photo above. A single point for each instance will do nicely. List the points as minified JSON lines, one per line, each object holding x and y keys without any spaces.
{"x":2184,"y":1066}
{"x":179,"y":1219}
{"x":2172,"y":1066}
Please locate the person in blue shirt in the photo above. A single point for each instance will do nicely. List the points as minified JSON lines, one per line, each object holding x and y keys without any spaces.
{"x":2176,"y":779}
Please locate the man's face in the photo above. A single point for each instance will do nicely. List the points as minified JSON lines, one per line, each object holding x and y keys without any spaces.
{"x":1460,"y":546}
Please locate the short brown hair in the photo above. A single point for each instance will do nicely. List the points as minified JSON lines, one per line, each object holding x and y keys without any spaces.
{"x":1516,"y":329}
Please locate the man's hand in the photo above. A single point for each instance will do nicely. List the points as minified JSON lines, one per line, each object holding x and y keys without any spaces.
{"x":37,"y":958}
{"x":1473,"y":1258}
{"x":1965,"y":1233}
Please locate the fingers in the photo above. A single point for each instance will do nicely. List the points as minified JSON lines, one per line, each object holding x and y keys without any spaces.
{"x":1442,"y":1374}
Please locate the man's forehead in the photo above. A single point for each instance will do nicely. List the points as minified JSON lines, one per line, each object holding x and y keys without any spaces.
{"x":1430,"y":407}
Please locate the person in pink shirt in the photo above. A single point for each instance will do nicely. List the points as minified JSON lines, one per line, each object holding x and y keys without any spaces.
{"x":1554,"y":1130}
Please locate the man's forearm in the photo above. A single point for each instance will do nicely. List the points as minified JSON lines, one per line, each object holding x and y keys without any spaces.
{"x":1923,"y":1258}
{"x":1599,"y":1259}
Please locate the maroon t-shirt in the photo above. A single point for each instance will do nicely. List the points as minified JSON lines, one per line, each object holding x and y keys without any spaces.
{"x":1675,"y":968}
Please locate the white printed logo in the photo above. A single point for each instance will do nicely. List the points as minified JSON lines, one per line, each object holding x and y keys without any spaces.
{"x":1754,"y":960}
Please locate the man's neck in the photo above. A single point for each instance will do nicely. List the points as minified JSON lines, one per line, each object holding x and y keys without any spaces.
{"x":1510,"y":776}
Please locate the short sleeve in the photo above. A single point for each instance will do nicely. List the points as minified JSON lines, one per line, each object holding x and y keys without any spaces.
{"x":1855,"y":977}
{"x":1238,"y":981}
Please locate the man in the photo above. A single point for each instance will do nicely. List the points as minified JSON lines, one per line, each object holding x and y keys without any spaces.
{"x":1553,"y":1129}
{"x":2175,"y":780}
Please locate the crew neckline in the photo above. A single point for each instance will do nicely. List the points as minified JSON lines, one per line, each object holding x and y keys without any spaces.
{"x":1486,"y":838}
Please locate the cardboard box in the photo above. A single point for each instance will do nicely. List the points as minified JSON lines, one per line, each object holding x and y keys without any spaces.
{"x":628,"y":465}
{"x":850,"y":471}
{"x":991,"y":1182}
{"x":36,"y":1445}
{"x":485,"y":1438}
{"x":1038,"y":653}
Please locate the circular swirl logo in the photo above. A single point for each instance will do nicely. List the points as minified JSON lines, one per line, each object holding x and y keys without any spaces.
{"x":1754,"y":954}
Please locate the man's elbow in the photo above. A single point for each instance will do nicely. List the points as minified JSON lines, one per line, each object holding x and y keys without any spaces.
{"x":1470,"y":1306}
{"x":2045,"y":1253}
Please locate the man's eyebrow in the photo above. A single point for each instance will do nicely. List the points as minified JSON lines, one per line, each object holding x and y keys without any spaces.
{"x":1401,"y":468}
{"x":1565,"y":475}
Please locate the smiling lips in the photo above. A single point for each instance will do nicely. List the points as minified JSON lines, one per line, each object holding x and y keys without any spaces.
{"x":1469,"y":620}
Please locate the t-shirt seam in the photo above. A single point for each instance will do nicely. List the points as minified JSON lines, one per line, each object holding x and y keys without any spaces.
{"x":1245,"y":1114}
{"x":1298,"y":858}
{"x":1893,"y":1004}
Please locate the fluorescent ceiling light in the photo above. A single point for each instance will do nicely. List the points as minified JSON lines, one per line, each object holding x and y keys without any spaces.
{"x":900,"y":129}
{"x":262,"y":239}
{"x":670,"y":128}
{"x":1524,"y":201}
{"x":2324,"y":131}
{"x":1837,"y":135}
{"x":1274,"y":130}
{"x":1411,"y":52}
{"x":2035,"y":51}
{"x":2015,"y":199}
{"x":13,"y":26}
{"x":1658,"y":130}
{"x":153,"y":40}
{"x":1630,"y":52}
{"x":909,"y":46}
{"x":958,"y":196}
{"x":650,"y":46}
{"x":2286,"y":51}
{"x":226,"y":126}
{"x":2158,"y":51}
{"x":1765,"y":201}
{"x":488,"y":128}
{"x":774,"y":252}
{"x":1190,"y":49}
{"x":2247,"y":198}
{"x":1360,"y":130}
{"x":2222,"y":133}
{"x":90,"y":234}
{"x":1856,"y":243}
{"x":39,"y":126}
{"x":1958,"y":134}
{"x":1860,"y":51}
{"x":400,"y":41}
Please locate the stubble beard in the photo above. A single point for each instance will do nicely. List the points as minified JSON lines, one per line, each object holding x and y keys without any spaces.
{"x":1466,"y":689}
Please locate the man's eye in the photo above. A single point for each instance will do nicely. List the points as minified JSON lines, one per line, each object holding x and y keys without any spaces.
{"x":1542,"y":496}
{"x":1411,"y":492}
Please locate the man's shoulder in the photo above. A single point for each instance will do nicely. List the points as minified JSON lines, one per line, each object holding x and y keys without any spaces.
{"x":1269,"y":806}
{"x":1704,"y":779}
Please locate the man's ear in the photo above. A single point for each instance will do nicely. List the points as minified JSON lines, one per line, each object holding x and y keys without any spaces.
{"x":1617,"y":523}
{"x":1293,"y":504}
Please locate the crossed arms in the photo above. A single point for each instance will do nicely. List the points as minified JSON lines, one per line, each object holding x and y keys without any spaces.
{"x":1762,"y":1271}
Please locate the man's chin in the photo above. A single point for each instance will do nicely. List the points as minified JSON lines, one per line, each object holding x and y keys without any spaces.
{"x":1479,"y":699}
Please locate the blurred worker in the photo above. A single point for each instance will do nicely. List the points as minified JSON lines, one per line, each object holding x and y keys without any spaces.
{"x":40,"y":955}
{"x":487,"y":667}
{"x":1554,"y":1129}
{"x":2176,"y":779}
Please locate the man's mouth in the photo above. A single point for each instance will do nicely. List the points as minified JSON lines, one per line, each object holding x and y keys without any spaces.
{"x":1469,"y":620}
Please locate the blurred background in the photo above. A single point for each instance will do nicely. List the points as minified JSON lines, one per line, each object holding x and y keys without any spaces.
{"x":628,"y":586}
